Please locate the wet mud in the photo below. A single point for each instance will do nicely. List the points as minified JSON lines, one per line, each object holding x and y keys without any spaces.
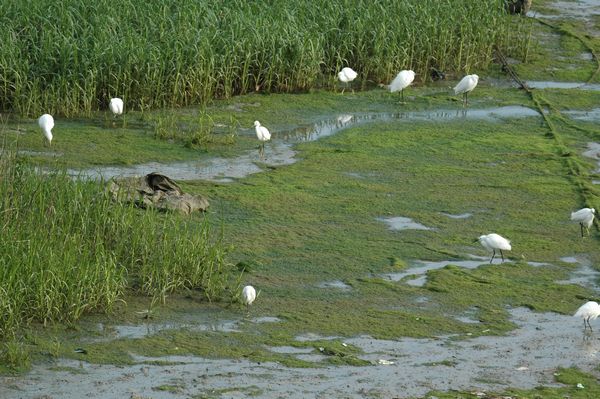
{"x":403,"y":368}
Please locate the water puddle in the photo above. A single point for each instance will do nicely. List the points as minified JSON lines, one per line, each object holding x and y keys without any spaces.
{"x":459,"y":216}
{"x":133,"y":331}
{"x":290,"y":349}
{"x":584,"y":275}
{"x":581,"y":10}
{"x":563,"y":85}
{"x":421,"y":267}
{"x":593,"y":151}
{"x":337,"y":284}
{"x":280,"y":150}
{"x":469,"y":317}
{"x":402,"y":223}
{"x":527,"y":357}
{"x":266,"y":319}
{"x":314,"y":337}
{"x":586,"y":116}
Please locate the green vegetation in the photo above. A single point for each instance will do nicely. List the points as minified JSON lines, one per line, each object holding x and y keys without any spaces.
{"x":570,"y":377}
{"x":70,"y":58}
{"x":68,"y":249}
{"x":293,"y":227}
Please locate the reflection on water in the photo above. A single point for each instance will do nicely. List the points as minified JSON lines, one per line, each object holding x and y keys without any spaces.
{"x":280,"y":152}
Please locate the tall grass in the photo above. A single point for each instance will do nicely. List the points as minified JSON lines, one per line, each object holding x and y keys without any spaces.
{"x":70,"y":57}
{"x":66,"y":248}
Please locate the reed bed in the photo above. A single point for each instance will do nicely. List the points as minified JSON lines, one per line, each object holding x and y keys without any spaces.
{"x":68,"y":249}
{"x":70,"y":57}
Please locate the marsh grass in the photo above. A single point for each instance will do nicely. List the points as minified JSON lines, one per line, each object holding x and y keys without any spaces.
{"x":70,"y":59}
{"x":68,"y":249}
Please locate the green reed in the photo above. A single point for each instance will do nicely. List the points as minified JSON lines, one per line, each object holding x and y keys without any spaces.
{"x":68,"y":249}
{"x":71,"y":57}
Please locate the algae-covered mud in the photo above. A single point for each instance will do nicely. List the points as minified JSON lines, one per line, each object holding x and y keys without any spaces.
{"x":358,"y":228}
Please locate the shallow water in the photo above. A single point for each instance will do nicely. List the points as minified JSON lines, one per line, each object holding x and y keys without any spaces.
{"x":419,"y":268}
{"x":582,"y":10}
{"x":525,"y":358}
{"x":584,"y":275}
{"x":563,"y":85}
{"x":337,"y":284}
{"x":593,"y":151}
{"x":402,"y":223}
{"x":280,"y":150}
{"x":587,"y":116}
{"x":110,"y":332}
{"x":459,"y":216}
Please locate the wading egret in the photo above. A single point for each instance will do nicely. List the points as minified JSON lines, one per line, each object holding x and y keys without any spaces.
{"x":46,"y":123}
{"x":588,"y":311}
{"x":402,"y":81}
{"x":585,"y":218}
{"x":494,"y":242}
{"x":248,"y":295}
{"x":347,"y":75}
{"x":116,"y":106}
{"x":263,"y":135}
{"x":466,"y":85}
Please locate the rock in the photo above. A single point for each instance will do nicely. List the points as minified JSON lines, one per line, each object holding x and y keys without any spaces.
{"x":156,"y":191}
{"x":518,"y":6}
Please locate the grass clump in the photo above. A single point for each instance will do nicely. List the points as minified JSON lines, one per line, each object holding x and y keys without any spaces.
{"x":72,"y":59}
{"x":67,"y":249}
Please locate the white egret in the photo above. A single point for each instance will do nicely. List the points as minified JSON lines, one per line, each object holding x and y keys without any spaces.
{"x":494,"y":242}
{"x":46,"y":123}
{"x":347,"y":75}
{"x":466,"y":85}
{"x":248,"y":295}
{"x":263,"y":135}
{"x":588,"y":311}
{"x":116,"y":106}
{"x":402,"y":81}
{"x":585,"y":218}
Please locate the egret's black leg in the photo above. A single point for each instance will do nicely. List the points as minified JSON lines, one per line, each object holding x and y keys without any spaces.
{"x":502,"y":256}
{"x":581,"y":225}
{"x":493,"y":254}
{"x":402,"y":93}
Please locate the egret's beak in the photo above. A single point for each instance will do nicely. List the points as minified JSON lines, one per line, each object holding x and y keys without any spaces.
{"x":476,"y":240}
